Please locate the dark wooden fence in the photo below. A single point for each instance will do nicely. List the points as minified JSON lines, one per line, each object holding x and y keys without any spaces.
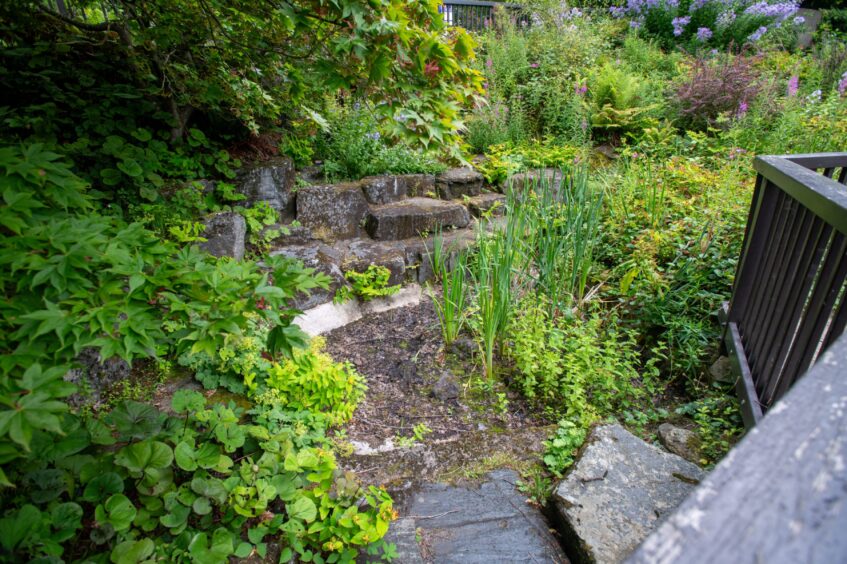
{"x":780,"y":495}
{"x":477,"y":15}
{"x":788,"y":302}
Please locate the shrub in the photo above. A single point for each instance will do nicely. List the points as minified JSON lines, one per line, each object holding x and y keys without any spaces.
{"x":716,"y":88}
{"x":616,"y":101}
{"x":310,"y":380}
{"x":582,"y":369}
{"x":353,"y":146}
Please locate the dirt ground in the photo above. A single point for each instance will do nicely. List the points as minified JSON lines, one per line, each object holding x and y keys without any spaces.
{"x":412,"y":380}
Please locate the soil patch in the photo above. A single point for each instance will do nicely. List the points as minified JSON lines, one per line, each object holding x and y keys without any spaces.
{"x":473,"y":427}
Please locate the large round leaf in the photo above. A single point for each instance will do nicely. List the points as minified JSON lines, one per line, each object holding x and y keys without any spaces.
{"x":118,"y":511}
{"x":144,"y":455}
{"x":102,"y":486}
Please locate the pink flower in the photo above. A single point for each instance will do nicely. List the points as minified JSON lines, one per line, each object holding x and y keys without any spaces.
{"x":793,"y":86}
{"x":534,"y":65}
{"x":489,"y":63}
{"x":580,"y":89}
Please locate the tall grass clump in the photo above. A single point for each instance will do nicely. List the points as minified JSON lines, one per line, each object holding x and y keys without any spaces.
{"x":562,"y":226}
{"x":496,"y":273}
{"x":450,"y":308}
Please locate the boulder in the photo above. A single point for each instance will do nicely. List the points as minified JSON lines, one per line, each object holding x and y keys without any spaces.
{"x":479,"y":205}
{"x":332,"y":211}
{"x":618,"y":492}
{"x":361,"y":253}
{"x":272,"y":182}
{"x":412,"y":217}
{"x":322,"y":258}
{"x":722,"y":370}
{"x":420,"y":185}
{"x":458,"y":182}
{"x":384,"y":189}
{"x":680,"y":441}
{"x":225,"y":235}
{"x":533,"y":179}
{"x":418,"y":251}
{"x":446,"y":388}
{"x":93,"y":376}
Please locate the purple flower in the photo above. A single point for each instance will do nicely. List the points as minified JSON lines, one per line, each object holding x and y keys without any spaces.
{"x":489,"y":63}
{"x":725,"y":19}
{"x":793,"y":85}
{"x":679,"y":24}
{"x":704,"y":34}
{"x":635,"y":24}
{"x":842,"y":85}
{"x":814,"y":97}
{"x":742,"y":110}
{"x":372,"y":136}
{"x":799,"y":20}
{"x":756,"y":35}
{"x":580,"y":89}
{"x":779,"y":11}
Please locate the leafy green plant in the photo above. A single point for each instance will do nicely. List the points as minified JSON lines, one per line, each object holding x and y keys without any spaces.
{"x":372,"y":283}
{"x":310,"y":380}
{"x":419,"y":433}
{"x":560,"y":449}
{"x":186,"y":487}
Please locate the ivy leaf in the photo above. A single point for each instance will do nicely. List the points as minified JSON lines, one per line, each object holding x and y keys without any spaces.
{"x":304,"y":508}
{"x":118,"y":511}
{"x":136,"y":420}
{"x":132,"y":552}
{"x":66,"y":518}
{"x":102,"y":486}
{"x":139,"y":457}
{"x":130,"y":167}
{"x":17,"y":527}
{"x":216,"y":553}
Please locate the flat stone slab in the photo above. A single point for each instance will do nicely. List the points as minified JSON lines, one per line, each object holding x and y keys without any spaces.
{"x":414,"y":216}
{"x":473,"y":525}
{"x":329,"y":316}
{"x":618,"y":492}
{"x":458,"y":182}
{"x":332,"y":211}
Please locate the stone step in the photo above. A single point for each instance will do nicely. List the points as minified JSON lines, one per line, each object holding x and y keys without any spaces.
{"x":487,"y":202}
{"x":414,"y":216}
{"x":458,"y":183}
{"x":332,"y":211}
{"x":386,"y":189}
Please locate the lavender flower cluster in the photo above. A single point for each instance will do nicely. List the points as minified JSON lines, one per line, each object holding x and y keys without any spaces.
{"x":728,"y":13}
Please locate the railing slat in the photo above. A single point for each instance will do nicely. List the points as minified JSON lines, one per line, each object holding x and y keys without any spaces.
{"x":814,"y":318}
{"x":802,"y":280}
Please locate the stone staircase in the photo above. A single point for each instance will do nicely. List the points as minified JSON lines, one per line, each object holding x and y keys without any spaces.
{"x":384,"y":220}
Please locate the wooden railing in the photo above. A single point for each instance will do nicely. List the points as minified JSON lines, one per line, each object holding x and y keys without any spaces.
{"x":476,"y":15}
{"x":780,"y":495}
{"x":788,"y":302}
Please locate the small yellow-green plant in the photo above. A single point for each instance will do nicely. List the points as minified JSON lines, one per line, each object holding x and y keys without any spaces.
{"x":367,"y":285}
{"x":311,"y":380}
